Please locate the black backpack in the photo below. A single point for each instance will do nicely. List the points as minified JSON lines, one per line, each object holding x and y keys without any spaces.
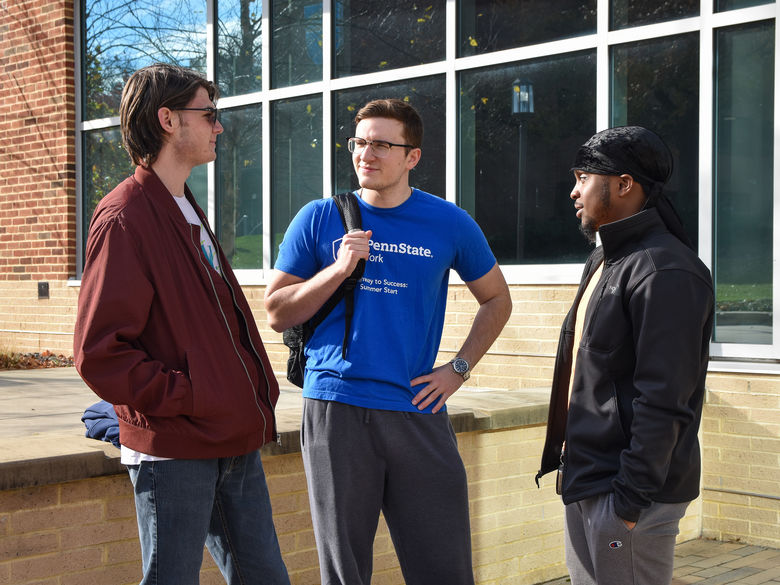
{"x":296,"y":336}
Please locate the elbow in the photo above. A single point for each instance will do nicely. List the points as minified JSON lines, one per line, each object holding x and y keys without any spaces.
{"x":276,"y":324}
{"x":273,"y":316}
{"x":507,"y":307}
{"x":503,"y":307}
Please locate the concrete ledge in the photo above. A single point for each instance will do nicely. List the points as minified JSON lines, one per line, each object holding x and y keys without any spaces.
{"x":43,"y":440}
{"x":47,"y":459}
{"x":470,"y":410}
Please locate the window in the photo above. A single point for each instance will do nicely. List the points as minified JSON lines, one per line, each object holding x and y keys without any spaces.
{"x":239,"y":49}
{"x":743,"y":185}
{"x":297,"y":159}
{"x":376,"y":35}
{"x":106,"y":163}
{"x":118,"y":38}
{"x":655,"y":84}
{"x":239,"y":187}
{"x":721,"y":5}
{"x":296,"y":42}
{"x":508,"y":90}
{"x":427,"y":96}
{"x":493,"y":25}
{"x":520,"y":126}
{"x":626,"y":13}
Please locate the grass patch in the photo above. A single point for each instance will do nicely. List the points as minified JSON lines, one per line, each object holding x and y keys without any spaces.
{"x":744,"y":297}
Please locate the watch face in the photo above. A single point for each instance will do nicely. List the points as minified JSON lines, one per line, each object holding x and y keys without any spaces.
{"x":460,"y":365}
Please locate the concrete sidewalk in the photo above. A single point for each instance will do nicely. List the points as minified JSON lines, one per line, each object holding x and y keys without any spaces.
{"x":40,"y":415}
{"x":51,"y":401}
{"x":710,"y":562}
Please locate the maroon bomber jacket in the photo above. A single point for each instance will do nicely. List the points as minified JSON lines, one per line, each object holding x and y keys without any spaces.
{"x":166,"y":339}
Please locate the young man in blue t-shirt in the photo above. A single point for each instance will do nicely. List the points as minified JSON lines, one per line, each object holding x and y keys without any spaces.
{"x":375,"y":432}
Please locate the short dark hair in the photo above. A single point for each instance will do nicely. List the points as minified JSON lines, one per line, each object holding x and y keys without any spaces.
{"x":149,"y":89}
{"x":397,"y":110}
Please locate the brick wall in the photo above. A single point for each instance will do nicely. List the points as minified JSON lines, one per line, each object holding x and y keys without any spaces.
{"x":520,"y":358}
{"x":740,"y":430}
{"x":85,"y":531}
{"x":37,"y":141}
{"x":741,"y":478}
{"x":28,"y":323}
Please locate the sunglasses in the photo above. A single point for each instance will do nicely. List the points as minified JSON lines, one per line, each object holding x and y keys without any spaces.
{"x":212,"y":117}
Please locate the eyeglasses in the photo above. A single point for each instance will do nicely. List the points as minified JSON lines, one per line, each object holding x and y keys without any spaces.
{"x":380,"y":148}
{"x":212,"y":117}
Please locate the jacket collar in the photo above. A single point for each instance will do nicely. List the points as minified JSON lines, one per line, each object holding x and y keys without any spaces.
{"x":621,"y":237}
{"x":162,"y":198}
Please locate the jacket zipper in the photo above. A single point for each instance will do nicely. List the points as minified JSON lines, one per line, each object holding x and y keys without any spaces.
{"x":598,"y":305}
{"x":227,"y":326}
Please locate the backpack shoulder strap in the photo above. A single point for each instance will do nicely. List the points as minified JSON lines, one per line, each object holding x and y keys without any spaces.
{"x":349,"y":209}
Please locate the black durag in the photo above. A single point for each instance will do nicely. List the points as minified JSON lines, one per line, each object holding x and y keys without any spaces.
{"x":639,"y":152}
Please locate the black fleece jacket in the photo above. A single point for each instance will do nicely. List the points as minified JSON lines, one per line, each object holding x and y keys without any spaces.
{"x":635,"y":407}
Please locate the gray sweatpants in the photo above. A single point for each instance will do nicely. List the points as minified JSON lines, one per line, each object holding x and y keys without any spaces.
{"x":601,"y":550}
{"x":359,"y":461}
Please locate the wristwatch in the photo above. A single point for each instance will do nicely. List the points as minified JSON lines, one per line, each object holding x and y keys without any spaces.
{"x":461,"y":367}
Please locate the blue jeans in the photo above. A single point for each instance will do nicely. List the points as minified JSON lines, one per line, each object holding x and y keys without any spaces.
{"x":183,"y":504}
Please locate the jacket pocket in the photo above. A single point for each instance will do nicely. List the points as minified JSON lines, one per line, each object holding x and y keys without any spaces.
{"x":207,"y":381}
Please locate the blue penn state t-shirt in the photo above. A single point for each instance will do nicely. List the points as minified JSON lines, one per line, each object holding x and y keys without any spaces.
{"x":399,"y":303}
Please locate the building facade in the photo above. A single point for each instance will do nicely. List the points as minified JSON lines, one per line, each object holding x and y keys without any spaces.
{"x":507,"y":88}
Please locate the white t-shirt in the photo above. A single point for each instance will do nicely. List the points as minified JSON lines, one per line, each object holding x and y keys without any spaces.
{"x":128,"y":455}
{"x":206,"y":245}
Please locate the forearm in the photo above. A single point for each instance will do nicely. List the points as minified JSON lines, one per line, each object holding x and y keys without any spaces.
{"x":291,"y":300}
{"x":488,"y":323}
{"x":292,"y":303}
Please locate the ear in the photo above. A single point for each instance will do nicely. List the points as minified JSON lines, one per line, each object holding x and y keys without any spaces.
{"x":168,"y":121}
{"x":625,"y":185}
{"x":413,"y":158}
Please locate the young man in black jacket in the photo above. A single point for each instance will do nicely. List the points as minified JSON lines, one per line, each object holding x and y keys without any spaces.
{"x":628,"y":385}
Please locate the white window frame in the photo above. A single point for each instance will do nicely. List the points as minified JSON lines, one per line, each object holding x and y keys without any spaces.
{"x":552,"y":274}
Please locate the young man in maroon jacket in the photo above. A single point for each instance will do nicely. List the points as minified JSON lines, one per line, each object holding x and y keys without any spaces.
{"x":165,"y":334}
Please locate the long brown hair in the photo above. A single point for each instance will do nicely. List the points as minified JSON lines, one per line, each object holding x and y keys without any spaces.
{"x":149,"y":89}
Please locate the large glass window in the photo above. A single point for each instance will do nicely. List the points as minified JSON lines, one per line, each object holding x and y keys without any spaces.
{"x":494,"y":25}
{"x":721,"y":5}
{"x":656,"y":84}
{"x":505,"y":107}
{"x":106,"y":164}
{"x":376,"y":35}
{"x":120,"y":37}
{"x":519,"y":128}
{"x":239,"y":187}
{"x":427,"y":97}
{"x":239,"y":54}
{"x":296,"y":43}
{"x":743,"y":185}
{"x":626,"y":13}
{"x":296,"y":160}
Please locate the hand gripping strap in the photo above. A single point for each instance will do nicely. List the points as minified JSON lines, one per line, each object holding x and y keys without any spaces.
{"x":349,"y":209}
